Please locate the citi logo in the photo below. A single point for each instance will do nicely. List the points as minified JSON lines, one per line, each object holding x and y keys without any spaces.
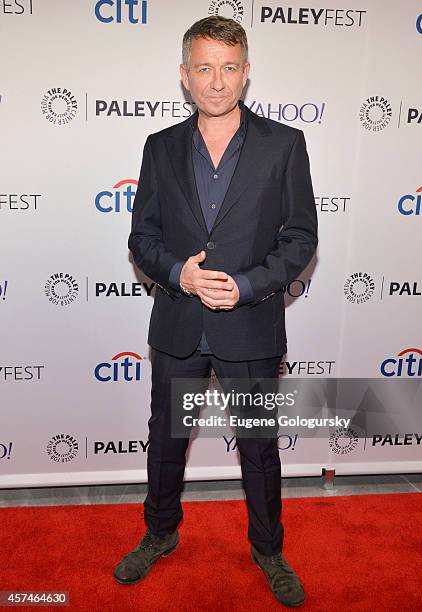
{"x":410,"y":204}
{"x":133,"y":11}
{"x":123,"y":366}
{"x":408,"y":363}
{"x":122,"y":198}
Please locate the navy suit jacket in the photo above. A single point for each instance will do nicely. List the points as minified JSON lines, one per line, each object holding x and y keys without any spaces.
{"x":266,"y":229}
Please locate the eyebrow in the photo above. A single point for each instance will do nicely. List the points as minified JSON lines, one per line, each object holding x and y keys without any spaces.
{"x":210,"y":65}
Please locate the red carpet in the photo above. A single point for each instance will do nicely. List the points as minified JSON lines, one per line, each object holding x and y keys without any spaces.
{"x":352,"y":553}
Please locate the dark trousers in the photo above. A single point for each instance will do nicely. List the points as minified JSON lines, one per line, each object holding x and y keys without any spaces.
{"x":259,"y":457}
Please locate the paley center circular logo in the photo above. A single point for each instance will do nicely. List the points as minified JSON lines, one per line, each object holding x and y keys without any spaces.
{"x":61,"y":289}
{"x":233,"y":9}
{"x":359,"y":287}
{"x":62,"y":448}
{"x":343,"y":440}
{"x":59,"y":106}
{"x":375,"y":113}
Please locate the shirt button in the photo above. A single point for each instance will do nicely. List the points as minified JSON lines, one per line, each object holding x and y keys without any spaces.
{"x":210,"y":245}
{"x":212,"y":205}
{"x":215,"y":176}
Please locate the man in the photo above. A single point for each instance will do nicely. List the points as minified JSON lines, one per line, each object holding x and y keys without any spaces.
{"x":224,"y":218}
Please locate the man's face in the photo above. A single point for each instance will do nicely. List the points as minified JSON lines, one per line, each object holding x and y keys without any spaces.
{"x":215,"y":76}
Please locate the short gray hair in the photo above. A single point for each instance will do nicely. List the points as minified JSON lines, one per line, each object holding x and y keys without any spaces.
{"x":215,"y":27}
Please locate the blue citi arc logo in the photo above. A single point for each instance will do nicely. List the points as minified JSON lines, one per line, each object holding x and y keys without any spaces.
{"x":410,"y":204}
{"x":407,"y":363}
{"x":118,"y":11}
{"x":125,"y":366}
{"x":119,"y":200}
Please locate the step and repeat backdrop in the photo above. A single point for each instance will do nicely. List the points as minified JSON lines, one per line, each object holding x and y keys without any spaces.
{"x":82,"y":84}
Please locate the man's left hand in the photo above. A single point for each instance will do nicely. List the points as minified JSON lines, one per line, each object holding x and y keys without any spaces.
{"x":221,"y":299}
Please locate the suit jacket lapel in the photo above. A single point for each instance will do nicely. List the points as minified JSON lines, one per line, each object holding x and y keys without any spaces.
{"x":179,"y":144}
{"x":180,"y":153}
{"x":251,"y":155}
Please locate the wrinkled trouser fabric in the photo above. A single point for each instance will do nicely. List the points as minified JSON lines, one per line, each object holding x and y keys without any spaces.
{"x":166,"y":458}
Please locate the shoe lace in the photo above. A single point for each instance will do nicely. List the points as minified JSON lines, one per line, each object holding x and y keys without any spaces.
{"x":137,"y":556}
{"x":280,"y":561}
{"x":281,"y":580}
{"x":147,"y":542}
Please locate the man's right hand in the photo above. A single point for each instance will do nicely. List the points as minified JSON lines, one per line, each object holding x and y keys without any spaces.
{"x":195,"y":279}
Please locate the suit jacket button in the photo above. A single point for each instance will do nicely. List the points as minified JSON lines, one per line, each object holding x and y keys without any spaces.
{"x":210,"y":245}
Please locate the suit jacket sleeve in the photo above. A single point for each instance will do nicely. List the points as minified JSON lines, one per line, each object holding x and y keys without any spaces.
{"x":297,"y":238}
{"x":145,"y":241}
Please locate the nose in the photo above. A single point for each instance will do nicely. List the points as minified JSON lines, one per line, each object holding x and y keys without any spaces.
{"x":217,"y":81}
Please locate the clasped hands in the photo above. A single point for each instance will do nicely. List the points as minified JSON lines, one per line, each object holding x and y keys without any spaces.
{"x":216,"y":290}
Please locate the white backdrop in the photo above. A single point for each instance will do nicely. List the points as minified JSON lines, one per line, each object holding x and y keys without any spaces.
{"x":82,"y":84}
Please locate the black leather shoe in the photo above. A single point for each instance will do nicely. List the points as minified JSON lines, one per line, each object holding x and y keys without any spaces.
{"x":284,"y":583}
{"x":137,"y":564}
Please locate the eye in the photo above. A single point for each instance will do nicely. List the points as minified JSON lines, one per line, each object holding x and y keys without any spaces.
{"x":204,"y":69}
{"x":231,"y":68}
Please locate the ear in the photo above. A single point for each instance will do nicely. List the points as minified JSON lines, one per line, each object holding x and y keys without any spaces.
{"x":185,"y":76}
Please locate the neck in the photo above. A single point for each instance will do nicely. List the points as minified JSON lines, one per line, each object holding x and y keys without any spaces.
{"x":219,"y":126}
